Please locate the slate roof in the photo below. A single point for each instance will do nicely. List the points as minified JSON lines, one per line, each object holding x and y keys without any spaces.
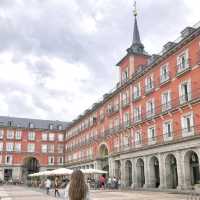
{"x":25,"y":123}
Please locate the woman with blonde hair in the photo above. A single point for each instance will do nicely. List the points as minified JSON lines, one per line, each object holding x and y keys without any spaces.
{"x":77,"y":189}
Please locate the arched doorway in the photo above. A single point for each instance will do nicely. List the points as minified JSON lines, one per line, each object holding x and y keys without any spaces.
{"x":171,"y":171}
{"x":140,"y":172}
{"x":192,"y":175}
{"x":103,"y":153}
{"x":154,"y":172}
{"x":30,"y":166}
{"x":117,"y":169}
{"x":128,"y":173}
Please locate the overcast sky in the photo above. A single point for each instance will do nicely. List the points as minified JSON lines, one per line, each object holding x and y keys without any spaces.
{"x":57,"y":57}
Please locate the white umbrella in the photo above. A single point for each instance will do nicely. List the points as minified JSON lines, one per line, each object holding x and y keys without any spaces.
{"x":61,"y":171}
{"x":93,"y":171}
{"x":37,"y":174}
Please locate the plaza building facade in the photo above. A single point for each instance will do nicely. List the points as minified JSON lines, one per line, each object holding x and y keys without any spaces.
{"x":147,"y":130}
{"x":29,"y":145}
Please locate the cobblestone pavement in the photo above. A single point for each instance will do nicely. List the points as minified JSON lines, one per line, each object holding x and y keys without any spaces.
{"x":24,"y":193}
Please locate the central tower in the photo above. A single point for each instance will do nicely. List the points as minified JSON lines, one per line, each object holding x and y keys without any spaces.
{"x":136,"y":56}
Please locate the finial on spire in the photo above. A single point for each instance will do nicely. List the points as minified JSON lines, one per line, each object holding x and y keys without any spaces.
{"x":135,"y":9}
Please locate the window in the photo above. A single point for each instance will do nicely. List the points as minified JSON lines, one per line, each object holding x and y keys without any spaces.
{"x":137,"y":114}
{"x":51,"y":160}
{"x":51,"y":126}
{"x":187,"y":124}
{"x":44,"y":136}
{"x":60,"y":148}
{"x":116,"y":123}
{"x":1,"y":133}
{"x":51,"y":148}
{"x":8,"y":159}
{"x":44,"y":148}
{"x":31,"y":125}
{"x":9,"y":146}
{"x":0,"y":159}
{"x":164,"y":73}
{"x":152,"y":135}
{"x":60,"y":127}
{"x":125,"y":75}
{"x":126,"y":119}
{"x":51,"y":136}
{"x":185,"y":91}
{"x":166,"y":101}
{"x":31,"y":136}
{"x":167,"y":130}
{"x":125,"y":99}
{"x":138,"y":138}
{"x":31,"y":147}
{"x":150,"y":108}
{"x":149,"y":83}
{"x":1,"y":146}
{"x":60,"y":137}
{"x":136,"y":91}
{"x":17,"y":147}
{"x":18,"y":135}
{"x":10,"y":134}
{"x":182,"y":62}
{"x":60,"y":160}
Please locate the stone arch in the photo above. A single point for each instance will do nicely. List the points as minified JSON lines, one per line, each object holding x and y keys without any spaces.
{"x":103,"y":156}
{"x":128,"y":173}
{"x":191,"y":168}
{"x":140,"y":172}
{"x":154,"y":172}
{"x":171,"y":171}
{"x":30,"y":165}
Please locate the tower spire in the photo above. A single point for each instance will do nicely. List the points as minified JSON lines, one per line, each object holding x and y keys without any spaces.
{"x":136,"y":46}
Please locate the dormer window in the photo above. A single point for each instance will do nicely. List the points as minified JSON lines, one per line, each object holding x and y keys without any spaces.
{"x":182,"y":62}
{"x":51,"y":126}
{"x":60,"y":127}
{"x":31,"y":125}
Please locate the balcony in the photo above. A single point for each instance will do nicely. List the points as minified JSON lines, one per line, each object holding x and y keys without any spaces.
{"x":137,"y":118}
{"x":136,"y":96}
{"x":113,"y":109}
{"x":162,"y":139}
{"x":166,"y":106}
{"x":165,"y":78}
{"x":185,"y":98}
{"x":125,"y":103}
{"x":149,"y":89}
{"x":183,"y":67}
{"x":150,"y":114}
{"x":127,"y":124}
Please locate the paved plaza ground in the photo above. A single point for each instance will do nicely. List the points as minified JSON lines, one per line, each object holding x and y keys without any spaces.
{"x":25,"y":193}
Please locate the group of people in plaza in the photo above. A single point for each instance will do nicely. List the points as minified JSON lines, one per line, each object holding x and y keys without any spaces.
{"x":78,"y":187}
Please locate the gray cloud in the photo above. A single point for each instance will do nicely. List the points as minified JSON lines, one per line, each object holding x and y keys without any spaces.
{"x":94,"y":33}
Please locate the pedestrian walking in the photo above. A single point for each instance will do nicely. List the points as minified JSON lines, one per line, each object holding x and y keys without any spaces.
{"x":47,"y":185}
{"x":56,"y":187}
{"x":77,"y":189}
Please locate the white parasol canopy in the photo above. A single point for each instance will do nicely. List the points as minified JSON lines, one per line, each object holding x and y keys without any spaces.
{"x":93,"y":171}
{"x":61,"y":171}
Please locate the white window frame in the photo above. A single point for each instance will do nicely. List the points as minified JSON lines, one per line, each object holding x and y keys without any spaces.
{"x":185,"y":131}
{"x":151,"y":140}
{"x":44,"y":148}
{"x":18,"y":135}
{"x":30,"y":147}
{"x":17,"y":147}
{"x":10,"y":134}
{"x":1,"y":146}
{"x":31,"y":135}
{"x":137,"y":114}
{"x":9,"y":146}
{"x":166,"y":105}
{"x":60,"y":158}
{"x":51,"y":136}
{"x":149,"y":83}
{"x":60,"y":137}
{"x":164,"y":76}
{"x":182,"y":96}
{"x":44,"y":136}
{"x":165,"y":130}
{"x":51,"y":160}
{"x":136,"y":91}
{"x":180,"y":66}
{"x":152,"y":113}
{"x":51,"y":148}
{"x":138,"y":138}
